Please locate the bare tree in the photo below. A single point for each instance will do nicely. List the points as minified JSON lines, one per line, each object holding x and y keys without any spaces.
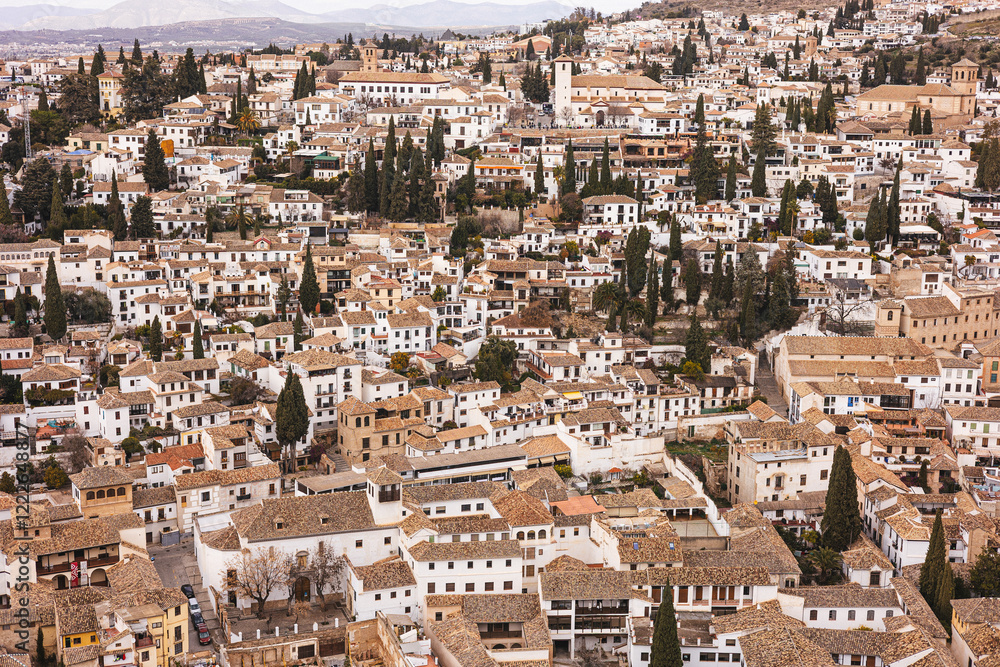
{"x":290,"y":573}
{"x":255,"y":575}
{"x":617,"y":113}
{"x":515,"y":115}
{"x":78,"y":455}
{"x":887,"y":163}
{"x":842,"y":316}
{"x":566,"y":114}
{"x":328,"y":572}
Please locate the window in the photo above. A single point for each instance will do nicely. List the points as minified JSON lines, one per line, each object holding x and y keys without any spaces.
{"x":851,"y":614}
{"x":813,"y":615}
{"x":470,"y":588}
{"x":833,"y":614}
{"x":449,"y":587}
{"x":359,"y":544}
{"x":871,"y":615}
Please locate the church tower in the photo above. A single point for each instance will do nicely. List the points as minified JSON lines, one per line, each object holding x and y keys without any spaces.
{"x":369,"y":57}
{"x":965,"y":77}
{"x":564,"y":83}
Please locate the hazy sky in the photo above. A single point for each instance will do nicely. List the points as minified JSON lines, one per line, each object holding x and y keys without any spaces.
{"x":318,"y":6}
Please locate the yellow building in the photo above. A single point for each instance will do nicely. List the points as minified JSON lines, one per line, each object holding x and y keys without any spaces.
{"x":955,"y":100}
{"x":109,"y":85}
{"x":102,"y":491}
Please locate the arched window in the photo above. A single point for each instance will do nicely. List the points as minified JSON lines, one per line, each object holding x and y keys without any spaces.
{"x":366,"y":421}
{"x":90,"y":495}
{"x":357,"y":422}
{"x":100,"y":494}
{"x":121,"y":491}
{"x":541,"y":534}
{"x":531,"y":534}
{"x":520,"y":535}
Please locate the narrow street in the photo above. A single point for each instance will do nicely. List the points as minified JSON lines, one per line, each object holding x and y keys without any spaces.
{"x":768,"y":387}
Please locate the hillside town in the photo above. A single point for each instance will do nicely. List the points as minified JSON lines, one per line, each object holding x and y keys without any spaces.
{"x":676,"y":334}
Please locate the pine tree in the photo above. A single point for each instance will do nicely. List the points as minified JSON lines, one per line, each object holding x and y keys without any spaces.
{"x":842,"y":519}
{"x":763,"y":134}
{"x":731,"y":180}
{"x":55,"y":308}
{"x":155,"y":340}
{"x":154,"y":167}
{"x":308,"y":287}
{"x":197,"y":344}
{"x":935,"y":561}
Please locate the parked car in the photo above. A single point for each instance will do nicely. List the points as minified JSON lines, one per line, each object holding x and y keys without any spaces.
{"x":203,"y":637}
{"x":188,"y":591}
{"x":193,"y":606}
{"x":197,"y":619}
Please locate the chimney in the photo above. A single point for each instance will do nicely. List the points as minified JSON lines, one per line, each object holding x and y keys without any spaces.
{"x":258,"y":633}
{"x":276,"y":632}
{"x":315,"y":627}
{"x":295,"y":628}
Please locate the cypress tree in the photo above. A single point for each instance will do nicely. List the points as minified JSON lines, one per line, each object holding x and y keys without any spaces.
{"x":539,"y":176}
{"x":154,"y":167}
{"x":55,"y":308}
{"x":371,"y":179}
{"x":928,"y":124}
{"x":935,"y":561}
{"x":197,"y":345}
{"x":758,"y":181}
{"x":398,"y":207}
{"x":915,"y":125}
{"x":842,"y":519}
{"x":606,"y":185}
{"x":715,"y":289}
{"x":57,"y":213}
{"x":676,"y":248}
{"x":893,"y":209}
{"x":665,"y":650}
{"x":731,"y":180}
{"x":652,"y":293}
{"x":569,"y":170}
{"x":297,"y":327}
{"x":20,"y":314}
{"x":692,"y":283}
{"x":116,"y":212}
{"x":874,"y":224}
{"x":696,"y":345}
{"x":943,"y":596}
{"x":5,"y":215}
{"x":308,"y":287}
{"x":142,"y":218}
{"x":155,"y":340}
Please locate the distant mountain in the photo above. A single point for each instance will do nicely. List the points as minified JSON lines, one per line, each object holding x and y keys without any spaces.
{"x":445,"y":13}
{"x":133,"y":14}
{"x":12,"y":17}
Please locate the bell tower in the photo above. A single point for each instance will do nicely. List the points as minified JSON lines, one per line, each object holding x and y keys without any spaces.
{"x":563,"y":83}
{"x":965,"y":77}
{"x":369,"y":57}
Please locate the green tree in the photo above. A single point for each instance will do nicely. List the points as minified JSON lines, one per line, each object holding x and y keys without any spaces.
{"x":297,"y":327}
{"x":55,"y":477}
{"x":155,"y":340}
{"x":7,"y":485}
{"x":893,"y":213}
{"x":308,"y":287}
{"x":154,"y":166}
{"x":539,"y":184}
{"x":826,"y":560}
{"x":928,"y":124}
{"x":676,"y":247}
{"x":57,"y":215}
{"x":5,"y":215}
{"x":704,"y":169}
{"x":780,"y":313}
{"x":652,"y":294}
{"x":292,"y":421}
{"x":439,"y":294}
{"x":197,"y":344}
{"x":636,"y":249}
{"x":696,"y":345}
{"x":665,"y":649}
{"x":55,"y":308}
{"x":935,"y":561}
{"x":763,"y":134}
{"x":143,"y":226}
{"x":692,"y":282}
{"x":841,"y":523}
{"x":19,"y":326}
{"x":569,"y":170}
{"x":731,"y":180}
{"x":66,"y":180}
{"x":874,"y":222}
{"x":984,"y":577}
{"x":605,"y":184}
{"x":758,"y":180}
{"x":922,"y":477}
{"x":371,"y":179}
{"x":495,"y":362}
{"x":116,"y":211}
{"x":943,"y":596}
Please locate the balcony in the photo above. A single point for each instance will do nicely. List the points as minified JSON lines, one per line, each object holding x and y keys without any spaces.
{"x":242,"y":497}
{"x":65,"y":567}
{"x":501,"y":634}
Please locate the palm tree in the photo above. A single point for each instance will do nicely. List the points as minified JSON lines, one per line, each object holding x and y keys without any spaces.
{"x":247,"y":121}
{"x":633,"y":309}
{"x":238,"y":219}
{"x":970,"y":261}
{"x":606,"y":296}
{"x":826,"y":559}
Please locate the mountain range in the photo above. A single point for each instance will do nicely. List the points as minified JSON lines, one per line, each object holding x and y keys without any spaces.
{"x":133,"y":14}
